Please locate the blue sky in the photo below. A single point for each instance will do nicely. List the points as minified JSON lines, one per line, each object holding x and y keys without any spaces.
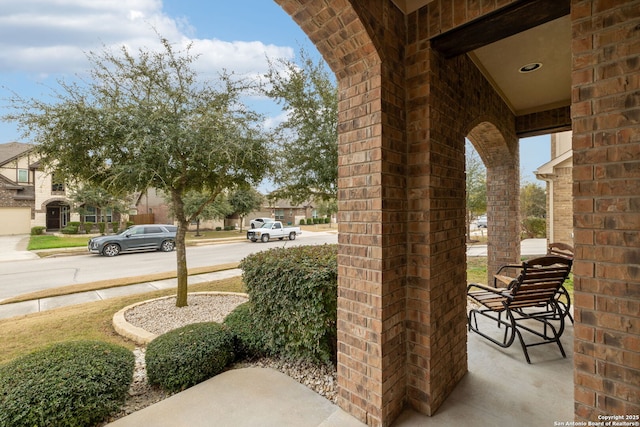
{"x":44,"y":40}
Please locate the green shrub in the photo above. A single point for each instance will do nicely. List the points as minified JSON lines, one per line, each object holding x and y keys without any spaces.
{"x":218,"y":228}
{"x":70,"y":229}
{"x":115,"y":227}
{"x":303,"y":221}
{"x":87,"y":227}
{"x":189,"y":355}
{"x":102,"y":226}
{"x":294,"y":296}
{"x":327,"y":220}
{"x":248,"y":341}
{"x":38,"y":230}
{"x":130,"y":223}
{"x":309,"y":221}
{"x":75,"y":383}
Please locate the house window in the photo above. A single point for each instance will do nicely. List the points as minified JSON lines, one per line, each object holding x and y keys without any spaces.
{"x":106,"y":215}
{"x":279,"y":214}
{"x":23,"y":175}
{"x":90,"y":214}
{"x":56,"y":184}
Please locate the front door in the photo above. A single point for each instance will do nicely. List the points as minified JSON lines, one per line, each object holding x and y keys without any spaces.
{"x":53,"y":217}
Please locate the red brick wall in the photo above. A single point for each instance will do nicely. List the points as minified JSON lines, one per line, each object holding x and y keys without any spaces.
{"x":401,"y":220}
{"x":606,"y":189}
{"x":403,"y":117}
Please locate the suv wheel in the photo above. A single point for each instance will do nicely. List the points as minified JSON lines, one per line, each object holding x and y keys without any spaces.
{"x":111,"y":249}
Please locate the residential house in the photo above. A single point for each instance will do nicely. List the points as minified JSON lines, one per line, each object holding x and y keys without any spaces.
{"x":285,"y":211}
{"x":557,"y":174}
{"x":152,"y":207}
{"x":29,"y":196}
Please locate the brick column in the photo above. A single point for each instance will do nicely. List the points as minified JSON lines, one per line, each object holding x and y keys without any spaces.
{"x":503,"y":215}
{"x":606,"y":189}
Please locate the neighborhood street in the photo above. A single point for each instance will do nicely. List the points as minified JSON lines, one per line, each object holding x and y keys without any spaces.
{"x":24,"y":276}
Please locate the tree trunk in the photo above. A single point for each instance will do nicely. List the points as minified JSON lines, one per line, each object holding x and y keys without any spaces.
{"x":181,"y":251}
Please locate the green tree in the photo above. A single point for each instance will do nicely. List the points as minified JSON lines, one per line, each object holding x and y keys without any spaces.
{"x":144,"y":121}
{"x":98,"y":197}
{"x":307,"y":141}
{"x":533,"y":210}
{"x":244,"y":201}
{"x":533,"y":201}
{"x":476,"y":178}
{"x":218,"y":209}
{"x":327,"y":207}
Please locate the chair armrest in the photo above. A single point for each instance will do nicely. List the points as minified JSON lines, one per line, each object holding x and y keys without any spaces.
{"x":497,"y":291}
{"x":509,"y":266}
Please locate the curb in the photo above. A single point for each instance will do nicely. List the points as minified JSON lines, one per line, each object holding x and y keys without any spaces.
{"x":141,"y":336}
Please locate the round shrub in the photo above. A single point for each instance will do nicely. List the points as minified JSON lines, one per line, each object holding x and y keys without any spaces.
{"x":76,"y":383}
{"x":37,"y":230}
{"x":248,"y":341}
{"x":189,"y":355}
{"x":70,"y":229}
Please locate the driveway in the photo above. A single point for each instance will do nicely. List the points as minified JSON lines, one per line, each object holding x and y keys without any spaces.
{"x":14,"y":248}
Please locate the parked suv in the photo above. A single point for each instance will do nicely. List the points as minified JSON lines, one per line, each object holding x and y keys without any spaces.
{"x":159,"y":237}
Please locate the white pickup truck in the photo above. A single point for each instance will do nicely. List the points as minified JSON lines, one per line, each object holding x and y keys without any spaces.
{"x":273,"y":230}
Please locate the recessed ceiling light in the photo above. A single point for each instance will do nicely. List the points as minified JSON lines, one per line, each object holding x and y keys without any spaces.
{"x":530,"y":67}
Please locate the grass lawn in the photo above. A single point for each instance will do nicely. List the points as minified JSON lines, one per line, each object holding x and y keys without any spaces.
{"x":47,"y":241}
{"x":93,"y":321}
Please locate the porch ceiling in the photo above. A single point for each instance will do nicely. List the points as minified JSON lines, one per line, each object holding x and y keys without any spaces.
{"x":549,"y":44}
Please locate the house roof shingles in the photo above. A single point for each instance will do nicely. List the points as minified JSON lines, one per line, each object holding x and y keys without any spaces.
{"x":12,"y":150}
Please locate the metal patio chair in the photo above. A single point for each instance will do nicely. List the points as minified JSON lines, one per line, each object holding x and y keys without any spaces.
{"x":527,"y":303}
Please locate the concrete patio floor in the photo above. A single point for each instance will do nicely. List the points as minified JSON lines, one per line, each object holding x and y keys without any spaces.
{"x":502,"y":389}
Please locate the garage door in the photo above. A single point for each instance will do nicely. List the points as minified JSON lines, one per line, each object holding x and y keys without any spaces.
{"x":15,"y":221}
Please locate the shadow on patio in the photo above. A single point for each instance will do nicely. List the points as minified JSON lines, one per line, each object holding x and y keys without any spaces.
{"x":501,"y":389}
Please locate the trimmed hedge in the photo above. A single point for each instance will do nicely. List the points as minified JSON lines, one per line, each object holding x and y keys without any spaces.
{"x":76,"y":383}
{"x":294,"y":296}
{"x":37,"y":230}
{"x":189,"y":355}
{"x":248,"y":341}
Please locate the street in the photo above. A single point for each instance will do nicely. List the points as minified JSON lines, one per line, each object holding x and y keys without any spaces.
{"x":20,"y":277}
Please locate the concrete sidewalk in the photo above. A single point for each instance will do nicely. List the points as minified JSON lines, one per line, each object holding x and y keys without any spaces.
{"x":43,"y":304}
{"x":528,"y":247}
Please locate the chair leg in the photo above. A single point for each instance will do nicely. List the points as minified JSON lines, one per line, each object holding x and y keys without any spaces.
{"x":509,"y":333}
{"x":513,"y":328}
{"x":554,"y":336}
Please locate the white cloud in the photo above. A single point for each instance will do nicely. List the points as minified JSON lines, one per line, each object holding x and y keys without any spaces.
{"x":43,"y":37}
